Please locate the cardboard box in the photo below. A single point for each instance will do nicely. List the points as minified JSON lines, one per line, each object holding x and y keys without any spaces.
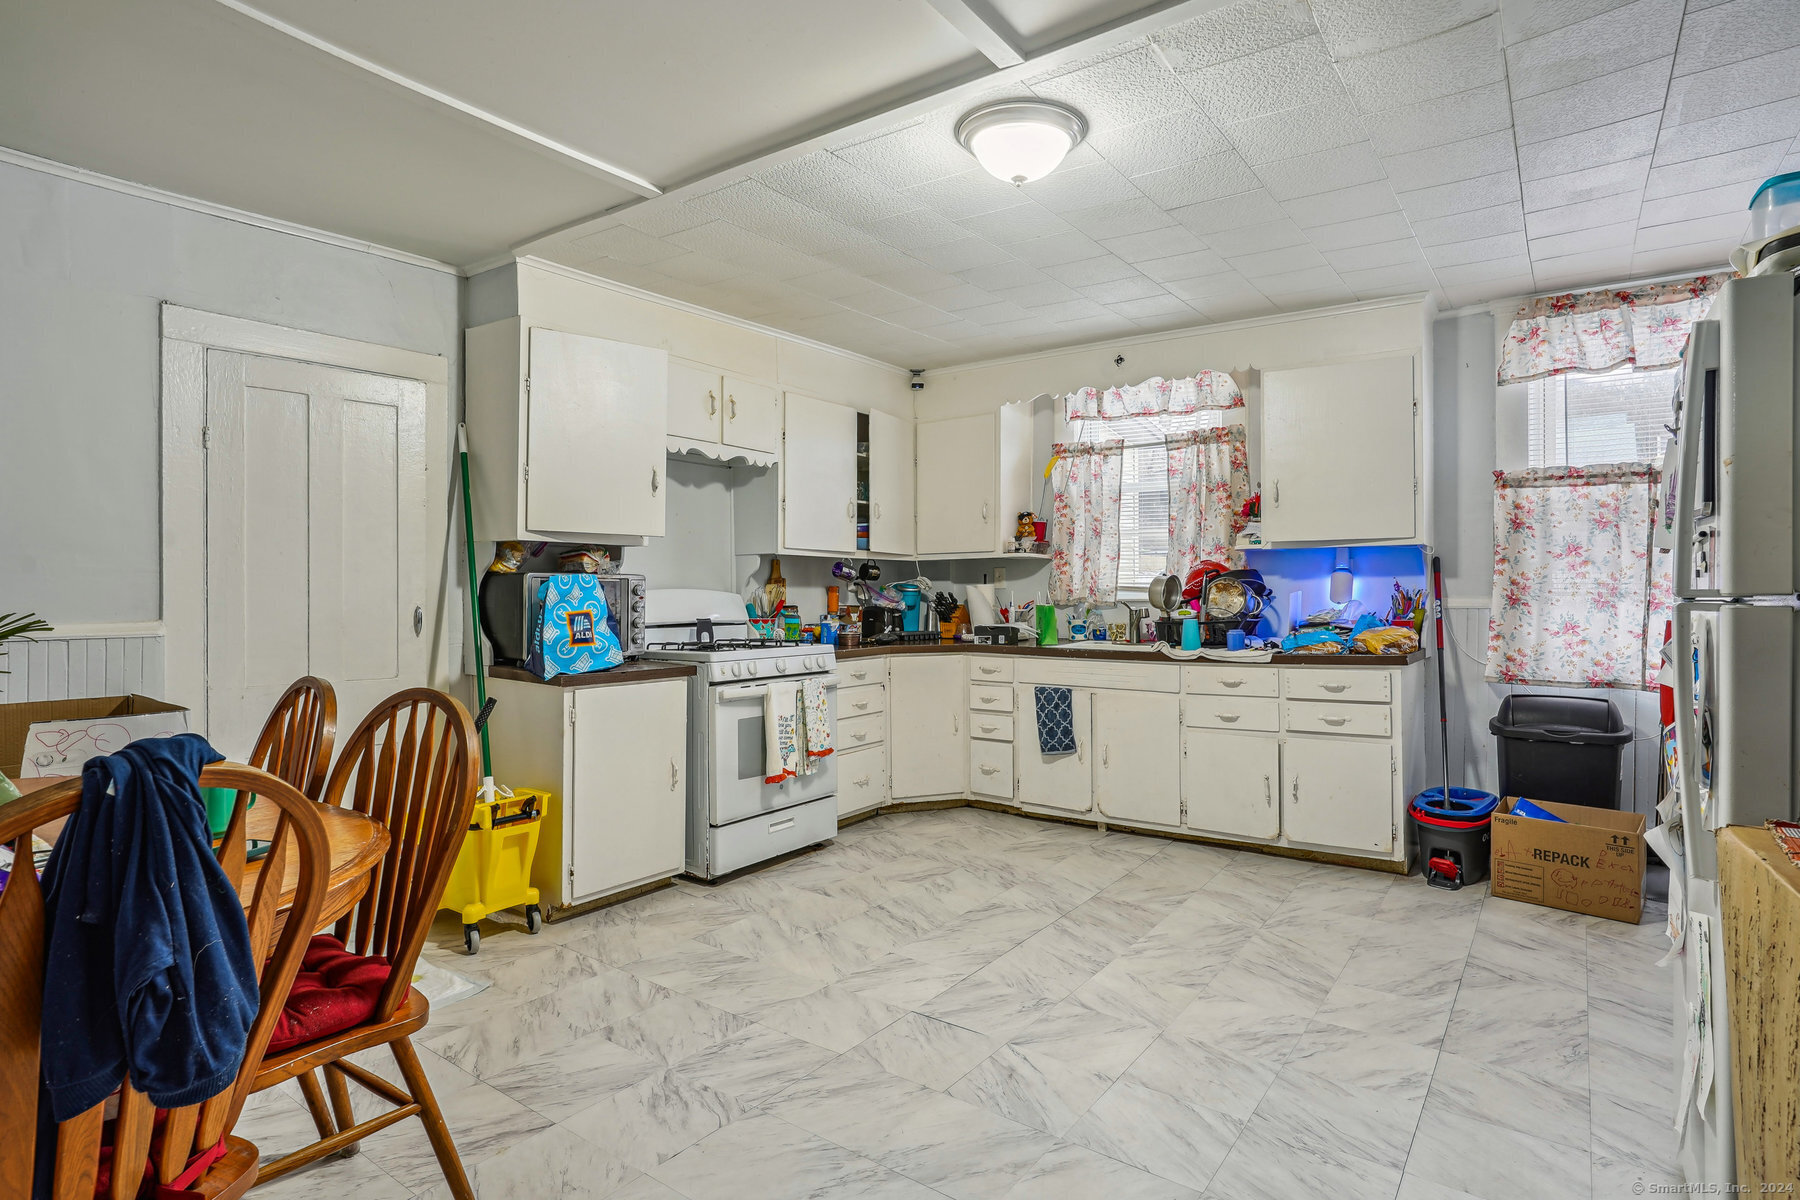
{"x":16,"y":721}
{"x":1591,"y":862}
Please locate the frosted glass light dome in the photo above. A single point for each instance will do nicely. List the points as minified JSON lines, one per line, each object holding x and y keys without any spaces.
{"x":1020,"y":141}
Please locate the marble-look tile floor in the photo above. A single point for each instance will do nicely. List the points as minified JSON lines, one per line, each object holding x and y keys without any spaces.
{"x":975,"y":1005}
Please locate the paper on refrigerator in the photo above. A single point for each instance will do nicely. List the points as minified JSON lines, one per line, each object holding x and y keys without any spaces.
{"x":1669,"y":847}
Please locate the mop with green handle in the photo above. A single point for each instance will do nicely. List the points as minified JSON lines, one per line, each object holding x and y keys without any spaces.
{"x":486,"y":706}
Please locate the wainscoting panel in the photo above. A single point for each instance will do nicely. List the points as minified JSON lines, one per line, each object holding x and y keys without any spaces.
{"x":79,"y":664}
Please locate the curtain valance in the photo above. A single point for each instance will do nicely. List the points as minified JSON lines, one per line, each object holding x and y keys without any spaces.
{"x":1154,"y":397}
{"x":1597,"y":331}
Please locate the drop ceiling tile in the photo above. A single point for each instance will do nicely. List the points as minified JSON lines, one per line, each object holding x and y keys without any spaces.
{"x":1296,"y":131}
{"x":961,"y":299}
{"x":1731,"y":198}
{"x":916,"y":280}
{"x":660,"y":217}
{"x":1000,"y":313}
{"x":1441,"y":120}
{"x":1702,"y":256}
{"x":628,"y":245}
{"x":966,"y":195}
{"x":1364,"y":231}
{"x":1215,"y":289}
{"x":1375,"y":255}
{"x":1003,"y":275}
{"x":698,"y":268}
{"x":1343,"y":204}
{"x":1723,"y":227}
{"x":1575,"y":272}
{"x":1577,"y":186}
{"x":1202,"y":179}
{"x":1398,"y":280}
{"x":1184,"y":266}
{"x":1526,"y":19}
{"x":1309,"y":284}
{"x":877,"y":300}
{"x":1731,"y":131}
{"x":905,"y":157}
{"x":809,"y":173}
{"x":1121,"y":90}
{"x":1357,"y":27}
{"x":1036,"y":295}
{"x":1591,"y":148}
{"x":1057,"y":249}
{"x":1071,"y":311}
{"x":1282,"y":77}
{"x":1456,"y":254}
{"x":868,"y":258}
{"x":1020,"y":223}
{"x":1272,"y":262}
{"x":1424,"y":70}
{"x":1228,"y":212}
{"x":859,"y":202}
{"x":1468,"y":159}
{"x":1091,"y":271}
{"x":1752,"y":162}
{"x":1310,"y":174}
{"x":1465,"y":195}
{"x":1463,"y":226}
{"x":1083,"y":187}
{"x":916,"y":230}
{"x":1583,"y":241}
{"x":1604,"y":210}
{"x":1264,"y":235}
{"x":1238,"y":308}
{"x":1733,"y":87}
{"x":1740,"y":29}
{"x":1481,"y":272}
{"x":960,"y":255}
{"x":723,"y":240}
{"x":1621,"y":37}
{"x":1593,"y":102}
{"x":1151,"y":308}
{"x":1117,"y":291}
{"x":1119,"y":220}
{"x":1233,"y":30}
{"x":1160,"y":143}
{"x":1158,"y":243}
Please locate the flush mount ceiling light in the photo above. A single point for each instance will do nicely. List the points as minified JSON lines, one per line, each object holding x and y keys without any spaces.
{"x":1020,"y":140}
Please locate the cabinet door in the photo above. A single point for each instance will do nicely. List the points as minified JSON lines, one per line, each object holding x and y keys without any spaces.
{"x":1338,"y":794}
{"x":1137,"y":756}
{"x":1229,"y":782}
{"x":752,"y":415}
{"x":818,"y":472}
{"x":597,"y":443}
{"x":628,"y":801}
{"x":1063,"y":781}
{"x":890,"y":484}
{"x":862,"y":780}
{"x":926,"y":729}
{"x":958,"y":486}
{"x":1337,"y":453}
{"x":696,"y":401}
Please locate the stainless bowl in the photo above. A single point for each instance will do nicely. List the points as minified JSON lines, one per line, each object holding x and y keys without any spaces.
{"x":1165,"y":593}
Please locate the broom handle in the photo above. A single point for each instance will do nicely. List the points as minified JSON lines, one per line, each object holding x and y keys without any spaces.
{"x":1437,"y":591}
{"x":481,"y":697}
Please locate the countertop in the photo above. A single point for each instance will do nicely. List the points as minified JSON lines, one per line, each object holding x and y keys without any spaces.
{"x":1070,"y":655}
{"x":636,"y":671}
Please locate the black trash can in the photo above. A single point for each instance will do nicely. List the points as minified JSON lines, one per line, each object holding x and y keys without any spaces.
{"x":1565,"y":749}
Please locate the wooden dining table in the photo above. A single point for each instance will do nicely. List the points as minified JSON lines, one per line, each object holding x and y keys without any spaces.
{"x":357,"y":844}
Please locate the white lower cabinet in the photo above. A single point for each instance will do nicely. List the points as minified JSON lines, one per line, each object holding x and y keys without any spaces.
{"x":926,"y":729}
{"x":1137,"y":756}
{"x":1339,"y":793}
{"x":1064,"y":782}
{"x":991,"y":769}
{"x":1231,"y":783}
{"x":862,"y":777}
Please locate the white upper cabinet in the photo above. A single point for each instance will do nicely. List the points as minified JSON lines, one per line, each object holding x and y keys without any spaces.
{"x":818,"y":476}
{"x":890,"y":485}
{"x":974,"y":478}
{"x":695,"y":401}
{"x":752,"y":415}
{"x":712,"y":408}
{"x":567,"y":435}
{"x":1341,"y":457}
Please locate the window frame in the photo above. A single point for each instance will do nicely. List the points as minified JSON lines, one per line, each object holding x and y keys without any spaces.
{"x":1549,"y":395}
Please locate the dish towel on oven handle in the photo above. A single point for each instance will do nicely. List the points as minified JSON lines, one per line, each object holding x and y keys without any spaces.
{"x":784,"y":747}
{"x":1055,"y":720}
{"x":815,"y":722}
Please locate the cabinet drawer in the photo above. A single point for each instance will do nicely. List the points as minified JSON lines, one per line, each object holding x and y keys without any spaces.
{"x":862,"y":779}
{"x":1336,"y":683}
{"x":861,"y":731}
{"x":991,"y":769}
{"x":861,"y":701}
{"x":1232,"y":712}
{"x":1231,"y":681}
{"x":994,"y":727}
{"x":1365,"y":720}
{"x":860,"y":671}
{"x":990,"y":698}
{"x":990,"y":670}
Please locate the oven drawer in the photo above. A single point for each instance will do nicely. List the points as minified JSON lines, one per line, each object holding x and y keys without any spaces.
{"x":1231,"y":680}
{"x":992,"y":727}
{"x":1365,"y":720}
{"x":987,"y":697}
{"x":857,"y":672}
{"x":1336,"y":683}
{"x":990,"y":670}
{"x":1231,"y":712}
{"x":760,"y":838}
{"x":853,"y":732}
{"x":862,"y":701}
{"x":991,"y":769}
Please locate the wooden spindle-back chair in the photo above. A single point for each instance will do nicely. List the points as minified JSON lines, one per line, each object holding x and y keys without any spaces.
{"x":412,"y":765}
{"x":295,"y":742}
{"x":277,"y":940}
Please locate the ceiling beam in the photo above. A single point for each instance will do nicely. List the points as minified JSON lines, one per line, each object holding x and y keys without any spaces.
{"x":985,"y":29}
{"x":635,"y":184}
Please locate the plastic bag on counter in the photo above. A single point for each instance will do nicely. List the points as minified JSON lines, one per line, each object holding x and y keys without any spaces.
{"x":1322,"y":639}
{"x":1385,"y":639}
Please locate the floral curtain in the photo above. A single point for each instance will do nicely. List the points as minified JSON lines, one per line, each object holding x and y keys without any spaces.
{"x":1577,"y":585}
{"x":1209,"y":480}
{"x":1597,"y":331}
{"x":1084,"y":523}
{"x":1153,"y":397}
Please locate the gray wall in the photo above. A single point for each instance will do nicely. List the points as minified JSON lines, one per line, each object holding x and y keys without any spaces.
{"x":82,"y":271}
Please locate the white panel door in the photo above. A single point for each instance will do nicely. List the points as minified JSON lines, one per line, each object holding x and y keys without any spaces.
{"x":958,"y":486}
{"x":696,"y":401}
{"x":596,"y":442}
{"x":1137,"y":756}
{"x":890,"y":484}
{"x":1338,"y":794}
{"x":752,"y":415}
{"x":1337,"y":453}
{"x":316,"y":559}
{"x":818,"y":473}
{"x":1231,"y":783}
{"x":628,"y":795}
{"x":926,"y":727}
{"x":1064,"y":781}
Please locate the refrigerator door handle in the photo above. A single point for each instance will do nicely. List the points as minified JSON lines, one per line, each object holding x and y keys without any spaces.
{"x":1703,"y":355}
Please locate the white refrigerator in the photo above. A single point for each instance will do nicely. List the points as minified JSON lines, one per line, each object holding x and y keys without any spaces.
{"x":1737,"y":647}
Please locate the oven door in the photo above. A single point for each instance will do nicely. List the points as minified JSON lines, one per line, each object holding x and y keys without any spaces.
{"x":738,"y":768}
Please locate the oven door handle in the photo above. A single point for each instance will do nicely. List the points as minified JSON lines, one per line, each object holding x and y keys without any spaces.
{"x":756,"y":691}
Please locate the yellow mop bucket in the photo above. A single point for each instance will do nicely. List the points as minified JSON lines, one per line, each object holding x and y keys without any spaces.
{"x":493,"y":869}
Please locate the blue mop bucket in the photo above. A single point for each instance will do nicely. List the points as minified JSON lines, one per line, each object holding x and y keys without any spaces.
{"x":1452,"y":834}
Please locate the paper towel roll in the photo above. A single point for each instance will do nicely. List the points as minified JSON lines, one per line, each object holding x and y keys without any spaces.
{"x":981,"y":604}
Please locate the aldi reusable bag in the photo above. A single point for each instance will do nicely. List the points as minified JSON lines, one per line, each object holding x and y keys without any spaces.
{"x":571,"y":630}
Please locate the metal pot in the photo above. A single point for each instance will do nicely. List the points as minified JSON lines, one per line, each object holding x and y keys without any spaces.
{"x":1165,"y":593}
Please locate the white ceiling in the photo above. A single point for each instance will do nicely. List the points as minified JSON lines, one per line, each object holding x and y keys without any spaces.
{"x":1245,"y":158}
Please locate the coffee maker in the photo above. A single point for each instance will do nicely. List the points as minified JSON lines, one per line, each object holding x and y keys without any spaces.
{"x":877,"y":621}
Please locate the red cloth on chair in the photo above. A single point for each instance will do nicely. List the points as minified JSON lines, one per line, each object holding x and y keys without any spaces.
{"x":334,"y":991}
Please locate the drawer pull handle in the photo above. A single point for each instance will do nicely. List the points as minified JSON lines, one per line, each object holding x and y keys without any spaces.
{"x":1228,"y":716}
{"x":859,"y":674}
{"x":990,"y":770}
{"x":990,"y":670}
{"x":1296,"y":789}
{"x":860,"y":705}
{"x":712,"y":404}
{"x":1335,"y":687}
{"x":1232,"y":682}
{"x":989,"y":728}
{"x":778,"y":826}
{"x":863,"y":782}
{"x":861,"y":737}
{"x":1335,"y":720}
{"x":1268,"y":794}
